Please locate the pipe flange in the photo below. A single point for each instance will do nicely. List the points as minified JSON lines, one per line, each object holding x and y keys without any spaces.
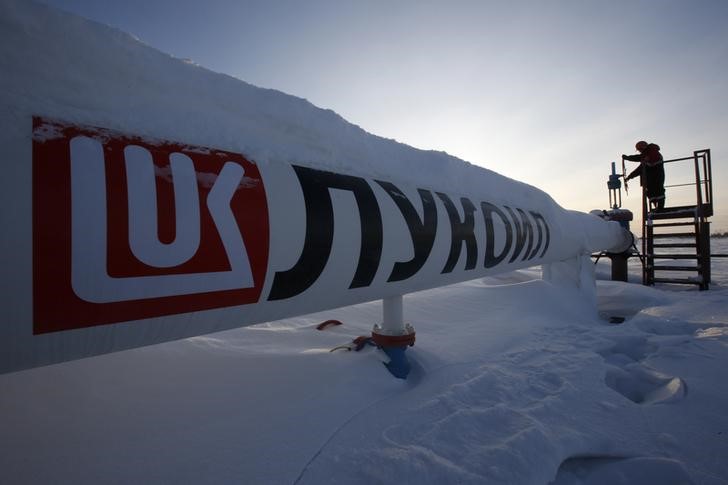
{"x":387,"y":341}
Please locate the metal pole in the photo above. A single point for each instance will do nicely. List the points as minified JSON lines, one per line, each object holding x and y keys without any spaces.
{"x":393,"y":316}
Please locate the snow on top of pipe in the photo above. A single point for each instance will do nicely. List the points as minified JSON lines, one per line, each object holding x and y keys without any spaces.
{"x":62,"y":66}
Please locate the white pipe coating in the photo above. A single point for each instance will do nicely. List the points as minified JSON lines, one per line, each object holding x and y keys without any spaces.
{"x":393,"y":313}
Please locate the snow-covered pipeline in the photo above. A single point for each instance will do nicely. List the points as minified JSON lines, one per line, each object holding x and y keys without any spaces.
{"x":146,"y":199}
{"x":138,"y":241}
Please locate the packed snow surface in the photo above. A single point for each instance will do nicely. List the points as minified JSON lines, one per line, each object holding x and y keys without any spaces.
{"x":515,"y":380}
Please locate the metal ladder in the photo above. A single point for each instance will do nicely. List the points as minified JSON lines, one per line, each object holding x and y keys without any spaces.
{"x":677,"y":235}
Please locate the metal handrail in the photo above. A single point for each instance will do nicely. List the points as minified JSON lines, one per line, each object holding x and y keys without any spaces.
{"x":685,"y":185}
{"x":708,"y":168}
{"x":704,"y":204}
{"x":686,"y":158}
{"x":703,"y":185}
{"x":697,"y":180}
{"x":678,"y":159}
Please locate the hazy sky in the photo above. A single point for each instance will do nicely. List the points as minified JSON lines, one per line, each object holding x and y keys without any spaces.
{"x":546,"y":92}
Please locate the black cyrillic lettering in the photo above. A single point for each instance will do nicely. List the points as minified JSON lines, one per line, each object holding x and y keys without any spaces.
{"x":539,"y":222}
{"x":315,"y":185}
{"x":490,"y":258}
{"x":422,"y":231}
{"x":524,"y":233}
{"x":462,"y":232}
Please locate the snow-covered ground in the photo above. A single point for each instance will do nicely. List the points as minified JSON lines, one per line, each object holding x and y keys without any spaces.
{"x":515,"y":381}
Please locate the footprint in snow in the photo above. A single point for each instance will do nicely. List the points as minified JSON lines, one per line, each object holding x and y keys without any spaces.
{"x":636,"y":381}
{"x":621,"y":471}
{"x":643,"y":385}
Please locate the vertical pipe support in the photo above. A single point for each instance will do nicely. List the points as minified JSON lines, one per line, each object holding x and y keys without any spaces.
{"x":619,"y":266}
{"x":393,"y":315}
{"x":393,"y":336}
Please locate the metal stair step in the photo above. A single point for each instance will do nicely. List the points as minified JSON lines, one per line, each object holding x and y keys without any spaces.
{"x":673,"y":256}
{"x":674,"y":213}
{"x":674,"y":234}
{"x":679,"y":281}
{"x":675,"y":268}
{"x":674,"y":245}
{"x":673,"y":224}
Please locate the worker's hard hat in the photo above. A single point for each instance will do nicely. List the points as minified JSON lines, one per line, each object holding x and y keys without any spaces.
{"x":641,"y":145}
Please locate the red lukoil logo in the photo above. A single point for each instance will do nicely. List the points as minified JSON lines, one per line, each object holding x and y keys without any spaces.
{"x":126,"y":228}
